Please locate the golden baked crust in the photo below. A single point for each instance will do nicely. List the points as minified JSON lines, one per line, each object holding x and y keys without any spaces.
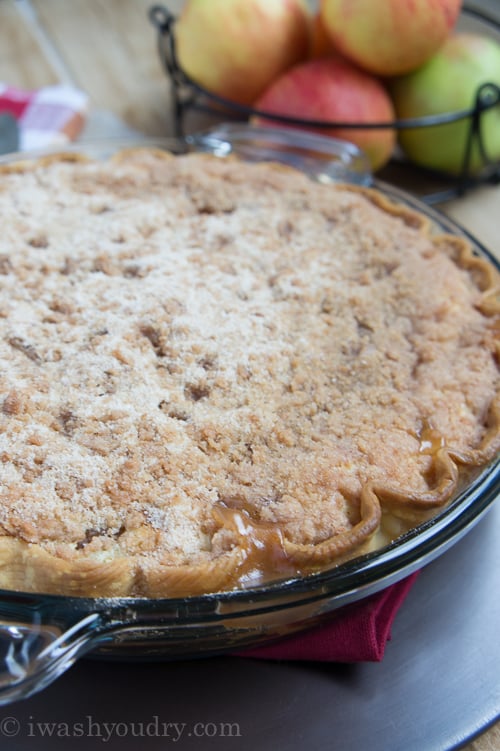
{"x":216,"y":373}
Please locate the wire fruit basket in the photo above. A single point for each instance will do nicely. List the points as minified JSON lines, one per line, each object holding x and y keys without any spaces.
{"x":431,"y":186}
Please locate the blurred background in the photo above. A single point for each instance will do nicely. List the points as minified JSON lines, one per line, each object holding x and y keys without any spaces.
{"x":107,"y":48}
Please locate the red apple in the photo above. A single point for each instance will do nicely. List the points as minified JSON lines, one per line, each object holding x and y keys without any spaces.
{"x":449,"y":83}
{"x":331,"y":89}
{"x":389,"y":37}
{"x":236,"y":48}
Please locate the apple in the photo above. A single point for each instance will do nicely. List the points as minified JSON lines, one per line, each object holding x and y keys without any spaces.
{"x":332,"y":89}
{"x":448,"y":83}
{"x":389,"y":37}
{"x":235,"y":48}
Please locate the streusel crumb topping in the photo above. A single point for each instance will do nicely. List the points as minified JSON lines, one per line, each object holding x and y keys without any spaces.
{"x":202,"y":358}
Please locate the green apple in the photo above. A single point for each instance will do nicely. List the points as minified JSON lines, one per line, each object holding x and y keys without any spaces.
{"x":449,"y":83}
{"x":389,"y":37}
{"x":235,"y":48}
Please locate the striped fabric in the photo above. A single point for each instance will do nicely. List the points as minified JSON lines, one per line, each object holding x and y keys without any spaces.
{"x":50,"y":116}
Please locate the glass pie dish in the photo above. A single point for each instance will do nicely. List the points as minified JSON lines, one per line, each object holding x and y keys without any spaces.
{"x":42,"y":635}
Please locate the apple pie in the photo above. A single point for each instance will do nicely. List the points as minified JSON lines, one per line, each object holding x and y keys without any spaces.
{"x":216,"y":374}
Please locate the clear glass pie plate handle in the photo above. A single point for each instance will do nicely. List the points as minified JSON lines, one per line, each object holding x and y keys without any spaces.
{"x":323,"y":158}
{"x":35,"y":648}
{"x":32,"y":656}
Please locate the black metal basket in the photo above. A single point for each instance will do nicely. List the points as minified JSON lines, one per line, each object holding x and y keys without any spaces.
{"x":431,"y":186}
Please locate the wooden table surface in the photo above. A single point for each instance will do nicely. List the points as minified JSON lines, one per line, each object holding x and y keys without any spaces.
{"x":108,"y":49}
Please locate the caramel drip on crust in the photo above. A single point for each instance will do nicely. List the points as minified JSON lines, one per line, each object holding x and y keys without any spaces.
{"x":269,"y":554}
{"x":261,"y":542}
{"x":431,"y":440}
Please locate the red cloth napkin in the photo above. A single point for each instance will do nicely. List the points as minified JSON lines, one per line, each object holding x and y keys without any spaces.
{"x":356,"y":633}
{"x":50,"y":116}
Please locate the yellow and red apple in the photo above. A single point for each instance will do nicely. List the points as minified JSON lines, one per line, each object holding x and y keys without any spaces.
{"x":449,"y":83}
{"x":330,"y":89}
{"x":236,"y":48}
{"x":389,"y":37}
